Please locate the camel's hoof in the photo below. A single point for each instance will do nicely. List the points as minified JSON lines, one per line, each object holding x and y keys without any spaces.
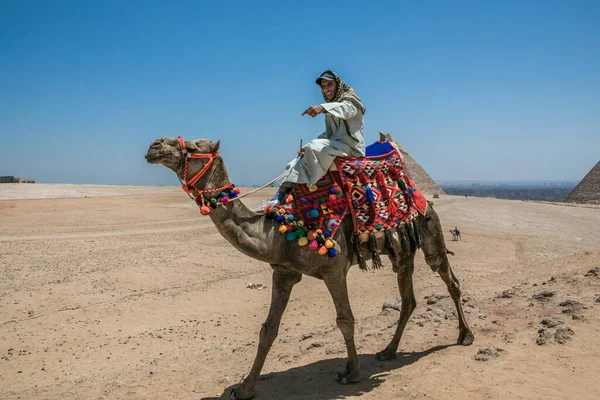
{"x":353,"y":377}
{"x":386,"y":355}
{"x":466,"y":338}
{"x":341,"y":375}
{"x":237,"y":395}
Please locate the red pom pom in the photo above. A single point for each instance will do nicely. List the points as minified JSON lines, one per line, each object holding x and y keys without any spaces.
{"x":204,"y":210}
{"x":332,"y":197}
{"x":237,"y":190}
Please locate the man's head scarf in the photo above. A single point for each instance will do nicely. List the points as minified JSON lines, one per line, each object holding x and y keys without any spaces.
{"x":344,"y":92}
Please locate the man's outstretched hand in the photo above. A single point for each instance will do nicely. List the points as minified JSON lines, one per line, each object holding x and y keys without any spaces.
{"x":313,"y":111}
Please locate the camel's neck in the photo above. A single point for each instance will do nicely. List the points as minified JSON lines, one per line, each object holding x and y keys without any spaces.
{"x":247,"y":231}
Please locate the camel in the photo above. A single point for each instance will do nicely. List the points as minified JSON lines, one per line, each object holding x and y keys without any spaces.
{"x":256,"y":236}
{"x":455,"y":234}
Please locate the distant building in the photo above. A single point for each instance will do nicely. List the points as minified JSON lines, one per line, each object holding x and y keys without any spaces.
{"x":588,"y":190}
{"x":12,"y":179}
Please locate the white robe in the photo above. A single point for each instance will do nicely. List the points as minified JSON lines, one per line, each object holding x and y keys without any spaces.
{"x":335,"y":141}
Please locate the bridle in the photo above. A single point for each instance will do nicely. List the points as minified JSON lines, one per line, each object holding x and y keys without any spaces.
{"x":189,"y":185}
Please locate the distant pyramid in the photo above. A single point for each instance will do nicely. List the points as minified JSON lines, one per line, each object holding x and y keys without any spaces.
{"x":415,"y":172}
{"x":588,"y":190}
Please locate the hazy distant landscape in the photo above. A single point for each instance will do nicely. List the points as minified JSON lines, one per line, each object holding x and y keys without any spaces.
{"x":526,"y":190}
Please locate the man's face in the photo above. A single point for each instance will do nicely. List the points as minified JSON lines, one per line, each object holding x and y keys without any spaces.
{"x":329,"y":88}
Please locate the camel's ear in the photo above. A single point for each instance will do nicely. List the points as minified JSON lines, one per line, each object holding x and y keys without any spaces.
{"x":214,"y":147}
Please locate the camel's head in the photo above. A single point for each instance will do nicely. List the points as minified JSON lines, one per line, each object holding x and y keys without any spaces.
{"x":169,"y":152}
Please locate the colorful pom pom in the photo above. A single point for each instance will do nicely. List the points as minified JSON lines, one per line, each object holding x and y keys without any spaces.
{"x":300,"y":232}
{"x":319,"y":232}
{"x":225,"y":200}
{"x":300,"y":223}
{"x":291,"y":236}
{"x":329,"y":243}
{"x":314,"y":213}
{"x":313,"y":245}
{"x":238,"y":190}
{"x":232,"y":195}
{"x":323,"y":250}
{"x":290,"y":217}
{"x":326,"y":234}
{"x":223,"y":194}
{"x":311,"y":235}
{"x":332,"y":190}
{"x":332,"y":197}
{"x":312,"y":187}
{"x":289,"y":199}
{"x":331,"y":253}
{"x":315,"y":206}
{"x":213,"y":200}
{"x":282,"y":229}
{"x":280,"y":218}
{"x":291,"y":228}
{"x":204,"y":210}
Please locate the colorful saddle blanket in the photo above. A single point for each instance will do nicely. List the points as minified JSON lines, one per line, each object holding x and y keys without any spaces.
{"x":375,"y":190}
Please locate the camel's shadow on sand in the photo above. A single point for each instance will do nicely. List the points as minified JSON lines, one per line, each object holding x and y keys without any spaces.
{"x":316,"y":381}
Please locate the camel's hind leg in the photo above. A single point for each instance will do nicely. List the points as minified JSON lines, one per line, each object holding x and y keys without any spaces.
{"x":434,"y":247}
{"x":283,"y":282}
{"x":336,"y":284}
{"x":404,"y":267}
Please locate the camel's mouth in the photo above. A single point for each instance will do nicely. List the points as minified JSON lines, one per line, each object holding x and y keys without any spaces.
{"x":153,"y":156}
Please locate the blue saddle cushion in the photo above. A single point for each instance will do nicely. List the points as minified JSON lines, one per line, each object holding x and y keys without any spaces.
{"x":378,"y":149}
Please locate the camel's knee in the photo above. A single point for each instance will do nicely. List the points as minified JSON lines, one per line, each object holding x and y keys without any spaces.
{"x":436,"y":260}
{"x":268,"y":333}
{"x":454,"y":289}
{"x":346,"y":325}
{"x":411,"y":304}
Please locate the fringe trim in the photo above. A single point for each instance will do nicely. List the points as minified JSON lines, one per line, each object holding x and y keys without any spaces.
{"x":376,"y":258}
{"x":359,"y":258}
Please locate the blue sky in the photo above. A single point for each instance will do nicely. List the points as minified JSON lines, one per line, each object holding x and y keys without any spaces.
{"x":474,"y":90}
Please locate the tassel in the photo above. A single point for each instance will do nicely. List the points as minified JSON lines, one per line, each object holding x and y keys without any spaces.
{"x":382,"y":185}
{"x":375,"y":252}
{"x":393,"y":173}
{"x":359,"y":258}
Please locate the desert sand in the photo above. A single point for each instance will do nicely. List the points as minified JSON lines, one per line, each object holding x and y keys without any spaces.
{"x":131,"y":294}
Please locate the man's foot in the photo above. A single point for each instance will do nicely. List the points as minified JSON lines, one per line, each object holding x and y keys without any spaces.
{"x":269,"y":202}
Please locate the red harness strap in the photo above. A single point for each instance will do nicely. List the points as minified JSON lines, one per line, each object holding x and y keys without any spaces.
{"x":189,"y":185}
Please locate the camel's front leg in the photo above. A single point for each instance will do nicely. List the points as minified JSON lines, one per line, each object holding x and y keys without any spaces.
{"x":336,"y":284}
{"x":283,"y":282}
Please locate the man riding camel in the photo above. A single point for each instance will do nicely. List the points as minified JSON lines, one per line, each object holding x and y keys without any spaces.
{"x":343,"y":136}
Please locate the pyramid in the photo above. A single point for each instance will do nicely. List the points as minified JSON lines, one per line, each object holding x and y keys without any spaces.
{"x":588,"y":190}
{"x":415,"y":172}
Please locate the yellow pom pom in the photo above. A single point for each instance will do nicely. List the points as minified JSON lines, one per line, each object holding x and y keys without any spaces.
{"x":283,"y":229}
{"x":329,"y":243}
{"x":303,"y":241}
{"x":312,"y":187}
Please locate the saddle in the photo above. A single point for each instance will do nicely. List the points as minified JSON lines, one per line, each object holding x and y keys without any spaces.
{"x":374,"y":190}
